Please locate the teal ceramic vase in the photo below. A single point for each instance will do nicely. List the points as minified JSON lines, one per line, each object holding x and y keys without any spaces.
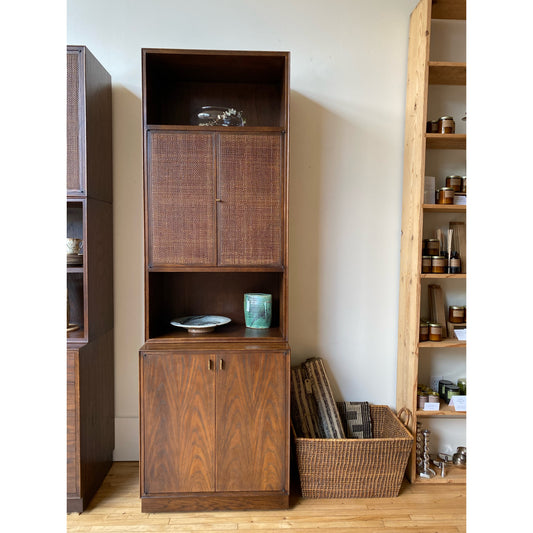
{"x":258,"y":310}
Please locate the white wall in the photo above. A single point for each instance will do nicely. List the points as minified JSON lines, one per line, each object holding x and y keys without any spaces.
{"x":348,"y":78}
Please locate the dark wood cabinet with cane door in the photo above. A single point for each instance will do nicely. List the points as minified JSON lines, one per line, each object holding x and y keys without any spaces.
{"x":215,"y":406}
{"x":90,"y":322}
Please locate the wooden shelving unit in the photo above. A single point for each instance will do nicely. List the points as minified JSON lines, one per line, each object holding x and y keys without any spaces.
{"x":90,"y":347}
{"x":411,"y":353}
{"x":214,"y":407}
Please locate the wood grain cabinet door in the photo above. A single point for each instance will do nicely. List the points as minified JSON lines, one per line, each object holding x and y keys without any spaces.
{"x":181,"y":198}
{"x":251,"y":422}
{"x":177,"y":423}
{"x":250,"y":193}
{"x":73,"y":426}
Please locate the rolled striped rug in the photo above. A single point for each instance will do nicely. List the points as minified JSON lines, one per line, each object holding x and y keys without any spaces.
{"x":329,"y":417}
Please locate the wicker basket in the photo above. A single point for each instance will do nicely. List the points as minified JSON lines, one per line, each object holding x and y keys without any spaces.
{"x":356,"y":468}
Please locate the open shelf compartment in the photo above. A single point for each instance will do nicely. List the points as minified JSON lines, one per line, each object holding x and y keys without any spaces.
{"x":179,"y":82}
{"x":178,"y":294}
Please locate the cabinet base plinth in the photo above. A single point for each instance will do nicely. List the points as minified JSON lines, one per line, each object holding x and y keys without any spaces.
{"x":74,"y":505}
{"x":214,"y":502}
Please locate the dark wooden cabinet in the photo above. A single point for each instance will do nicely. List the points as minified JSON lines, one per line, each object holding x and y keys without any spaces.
{"x":213,"y":427}
{"x":215,"y":406}
{"x":90,"y":345}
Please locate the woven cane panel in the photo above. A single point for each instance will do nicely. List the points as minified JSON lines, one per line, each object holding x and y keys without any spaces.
{"x":181,"y":192}
{"x":73,"y":122}
{"x":250,"y":213}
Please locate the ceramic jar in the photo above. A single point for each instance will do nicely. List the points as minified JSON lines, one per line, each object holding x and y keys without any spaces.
{"x":258,"y":310}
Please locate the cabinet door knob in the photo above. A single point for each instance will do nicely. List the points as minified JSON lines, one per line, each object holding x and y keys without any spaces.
{"x":221,"y":364}
{"x":218,"y":200}
{"x":209,"y":365}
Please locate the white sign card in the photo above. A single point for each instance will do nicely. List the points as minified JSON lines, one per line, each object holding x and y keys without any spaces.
{"x":460,"y":334}
{"x":431,"y":406}
{"x":459,"y":402}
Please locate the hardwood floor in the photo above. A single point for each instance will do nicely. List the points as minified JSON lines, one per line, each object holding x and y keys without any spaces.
{"x":421,"y":508}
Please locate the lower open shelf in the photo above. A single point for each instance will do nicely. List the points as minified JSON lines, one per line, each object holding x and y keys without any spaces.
{"x":234,"y":332}
{"x":77,"y":334}
{"x":445,"y":410}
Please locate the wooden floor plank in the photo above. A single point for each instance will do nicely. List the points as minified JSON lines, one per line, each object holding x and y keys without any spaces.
{"x":116,"y":508}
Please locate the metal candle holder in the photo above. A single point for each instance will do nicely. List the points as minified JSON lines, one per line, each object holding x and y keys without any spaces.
{"x":419,"y":447}
{"x":427,"y":472}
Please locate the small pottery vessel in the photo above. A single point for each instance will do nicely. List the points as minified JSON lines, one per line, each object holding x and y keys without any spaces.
{"x":258,"y":310}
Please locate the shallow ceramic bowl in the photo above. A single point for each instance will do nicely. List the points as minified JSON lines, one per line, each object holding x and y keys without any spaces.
{"x":200,"y":323}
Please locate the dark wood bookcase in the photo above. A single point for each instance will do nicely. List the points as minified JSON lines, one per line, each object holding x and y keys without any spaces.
{"x":214,"y":407}
{"x":89,"y":210}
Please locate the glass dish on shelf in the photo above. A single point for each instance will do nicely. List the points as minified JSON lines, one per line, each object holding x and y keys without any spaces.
{"x":210,"y":115}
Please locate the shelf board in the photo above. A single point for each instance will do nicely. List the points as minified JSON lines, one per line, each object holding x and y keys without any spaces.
{"x":76,"y":336}
{"x":445,"y":411}
{"x":446,"y":141}
{"x":445,"y":343}
{"x":443,"y":276}
{"x":442,"y":208}
{"x":447,"y":73}
{"x":233,"y":332}
{"x":217,"y":269}
{"x":226,"y":129}
{"x":454,"y":474}
{"x":449,"y":9}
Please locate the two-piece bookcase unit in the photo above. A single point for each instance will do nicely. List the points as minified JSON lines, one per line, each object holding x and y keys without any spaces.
{"x":90,"y":344}
{"x":214,"y":407}
{"x":433,"y":86}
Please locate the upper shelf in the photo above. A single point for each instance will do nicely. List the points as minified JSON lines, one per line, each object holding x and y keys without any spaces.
{"x":447,"y":73}
{"x":449,"y":9}
{"x":446,"y":141}
{"x":221,"y":129}
{"x":445,"y":343}
{"x":442,"y":208}
{"x":177,"y":83}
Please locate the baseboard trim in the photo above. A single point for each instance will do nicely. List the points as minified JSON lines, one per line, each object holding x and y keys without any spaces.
{"x":126,"y":439}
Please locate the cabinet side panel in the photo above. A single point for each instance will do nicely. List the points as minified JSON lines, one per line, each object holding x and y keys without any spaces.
{"x":178,"y":423}
{"x":98,"y":257}
{"x":181,"y":198}
{"x":97,"y":413}
{"x":75,"y":124}
{"x":251,"y":422}
{"x":250,"y":214}
{"x":98,"y":128}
